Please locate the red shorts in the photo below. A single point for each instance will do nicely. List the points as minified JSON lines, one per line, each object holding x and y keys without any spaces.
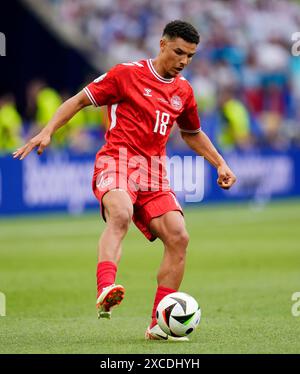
{"x":147,"y":204}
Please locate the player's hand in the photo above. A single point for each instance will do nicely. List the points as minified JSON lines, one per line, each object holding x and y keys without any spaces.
{"x":42,"y":140}
{"x":226,"y":178}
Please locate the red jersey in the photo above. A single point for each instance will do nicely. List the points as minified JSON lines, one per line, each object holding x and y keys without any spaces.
{"x":142,"y":107}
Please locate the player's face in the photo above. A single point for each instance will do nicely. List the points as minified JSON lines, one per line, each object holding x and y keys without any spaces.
{"x":176,"y":55}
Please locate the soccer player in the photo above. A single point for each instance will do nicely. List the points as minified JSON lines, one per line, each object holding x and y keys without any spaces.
{"x":145,"y":99}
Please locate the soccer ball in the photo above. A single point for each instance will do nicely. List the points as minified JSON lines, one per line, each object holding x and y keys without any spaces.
{"x":178,"y":314}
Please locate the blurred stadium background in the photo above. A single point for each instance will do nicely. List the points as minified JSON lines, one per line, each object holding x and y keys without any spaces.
{"x":247,"y":84}
{"x":245,"y":77}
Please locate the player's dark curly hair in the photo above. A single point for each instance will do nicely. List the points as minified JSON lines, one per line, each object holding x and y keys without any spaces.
{"x":182,"y":29}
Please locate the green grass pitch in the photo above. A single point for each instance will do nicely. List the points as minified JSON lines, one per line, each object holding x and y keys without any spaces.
{"x":243,"y":267}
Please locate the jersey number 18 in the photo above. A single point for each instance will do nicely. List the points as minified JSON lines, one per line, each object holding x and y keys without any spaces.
{"x":162,"y":120}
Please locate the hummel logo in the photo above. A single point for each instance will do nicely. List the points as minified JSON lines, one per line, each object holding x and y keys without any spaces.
{"x":147,"y":92}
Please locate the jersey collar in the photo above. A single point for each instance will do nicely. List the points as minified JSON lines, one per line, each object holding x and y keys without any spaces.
{"x":157,"y":76}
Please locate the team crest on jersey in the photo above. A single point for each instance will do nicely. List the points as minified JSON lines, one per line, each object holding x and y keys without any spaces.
{"x":176,"y":102}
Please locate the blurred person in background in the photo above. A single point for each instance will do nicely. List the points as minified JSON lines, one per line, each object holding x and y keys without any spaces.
{"x":42,"y":102}
{"x":204,"y":85}
{"x":234,"y":130}
{"x":273,"y":62}
{"x":251,"y":83}
{"x":10,"y":124}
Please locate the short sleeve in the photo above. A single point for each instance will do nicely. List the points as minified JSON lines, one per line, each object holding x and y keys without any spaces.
{"x":189,"y":121}
{"x":106,"y":89}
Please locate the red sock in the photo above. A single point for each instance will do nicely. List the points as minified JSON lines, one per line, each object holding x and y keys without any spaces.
{"x":106,"y":274}
{"x":161,"y":292}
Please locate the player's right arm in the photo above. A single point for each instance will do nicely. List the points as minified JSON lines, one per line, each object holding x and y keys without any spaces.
{"x":62,"y":116}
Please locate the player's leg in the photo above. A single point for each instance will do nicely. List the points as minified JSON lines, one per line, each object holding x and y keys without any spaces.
{"x":170,"y":228}
{"x":118,"y":210}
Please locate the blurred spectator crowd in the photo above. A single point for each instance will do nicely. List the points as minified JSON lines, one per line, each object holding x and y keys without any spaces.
{"x":245,"y":78}
{"x":83,"y":134}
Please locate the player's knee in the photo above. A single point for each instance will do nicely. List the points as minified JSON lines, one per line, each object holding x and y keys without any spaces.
{"x":120,"y":220}
{"x":179,"y":238}
{"x":118,"y":211}
{"x":183,"y":240}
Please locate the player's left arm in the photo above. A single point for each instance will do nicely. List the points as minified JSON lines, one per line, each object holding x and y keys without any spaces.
{"x":201,"y":144}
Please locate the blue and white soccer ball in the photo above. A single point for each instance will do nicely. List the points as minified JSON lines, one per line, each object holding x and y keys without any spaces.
{"x":178,"y":314}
